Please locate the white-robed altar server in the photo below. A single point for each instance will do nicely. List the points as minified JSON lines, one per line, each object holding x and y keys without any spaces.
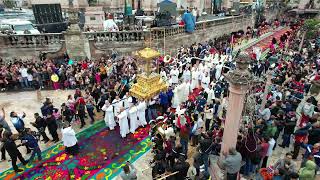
{"x":195,"y":78}
{"x":175,"y":99}
{"x":142,"y":106}
{"x":210,"y":93}
{"x":205,"y":81}
{"x":123,"y":123}
{"x":186,"y":90}
{"x":186,"y":74}
{"x":117,"y":103}
{"x":163,"y":75}
{"x":174,"y":73}
{"x":218,"y":71}
{"x":133,"y":119}
{"x":109,"y":115}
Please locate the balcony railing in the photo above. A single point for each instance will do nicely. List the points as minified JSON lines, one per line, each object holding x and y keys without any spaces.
{"x":32,"y":40}
{"x":120,"y":36}
{"x":48,"y":39}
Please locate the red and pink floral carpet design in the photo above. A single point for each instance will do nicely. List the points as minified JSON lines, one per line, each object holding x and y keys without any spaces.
{"x":264,"y":43}
{"x":98,"y":158}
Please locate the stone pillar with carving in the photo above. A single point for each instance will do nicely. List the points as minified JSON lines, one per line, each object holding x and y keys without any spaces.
{"x":239,"y":82}
{"x":77,"y":44}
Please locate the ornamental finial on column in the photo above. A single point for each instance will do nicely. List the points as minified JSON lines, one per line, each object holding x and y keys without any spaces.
{"x":241,"y":75}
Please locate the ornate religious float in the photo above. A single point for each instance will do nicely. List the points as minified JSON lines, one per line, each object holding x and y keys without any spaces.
{"x":149,"y":84}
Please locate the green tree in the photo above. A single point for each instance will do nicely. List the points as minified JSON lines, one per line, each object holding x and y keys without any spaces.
{"x":309,"y":29}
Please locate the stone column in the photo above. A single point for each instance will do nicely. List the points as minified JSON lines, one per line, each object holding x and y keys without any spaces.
{"x":239,"y":81}
{"x":75,"y":40}
{"x":233,"y":117}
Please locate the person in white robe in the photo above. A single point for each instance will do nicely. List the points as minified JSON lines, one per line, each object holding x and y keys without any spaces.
{"x":205,"y":81}
{"x":163,"y":75}
{"x":195,"y":78}
{"x":216,"y":58}
{"x":186,"y":74}
{"x":109,"y":115}
{"x":186,"y":91}
{"x":142,"y":106}
{"x":174,"y":73}
{"x":175,"y":99}
{"x":123,"y":123}
{"x":133,"y":119}
{"x":210,"y":93}
{"x":117,"y":103}
{"x":218,"y":70}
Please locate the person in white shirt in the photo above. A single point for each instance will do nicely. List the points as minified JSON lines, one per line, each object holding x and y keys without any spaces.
{"x":109,"y":115}
{"x":69,"y":139}
{"x":271,"y":143}
{"x":197,"y":130}
{"x":205,"y":80}
{"x":208,"y":116}
{"x":24,"y":74}
{"x":174,"y":73}
{"x":123,"y":123}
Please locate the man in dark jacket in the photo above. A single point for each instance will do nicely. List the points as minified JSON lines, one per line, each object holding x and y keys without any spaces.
{"x":12,"y":149}
{"x":66,"y":113}
{"x":29,"y":138}
{"x":52,"y":126}
{"x":288,"y":130}
{"x":314,"y":134}
{"x":182,"y":167}
{"x":41,"y":125}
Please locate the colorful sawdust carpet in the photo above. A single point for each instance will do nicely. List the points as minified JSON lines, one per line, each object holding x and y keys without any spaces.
{"x":264,"y":43}
{"x":96,"y":144}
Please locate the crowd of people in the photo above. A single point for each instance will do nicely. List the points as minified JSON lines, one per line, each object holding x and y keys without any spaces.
{"x":190,"y":114}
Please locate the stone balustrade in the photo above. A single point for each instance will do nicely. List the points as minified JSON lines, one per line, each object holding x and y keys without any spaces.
{"x":159,"y":33}
{"x":120,"y":36}
{"x":31,"y":40}
{"x":124,"y":41}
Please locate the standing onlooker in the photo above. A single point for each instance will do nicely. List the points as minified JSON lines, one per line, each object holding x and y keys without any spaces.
{"x":69,"y":139}
{"x":52,"y":126}
{"x":232,"y":164}
{"x":90,"y":104}
{"x":41,"y":125}
{"x":31,"y":141}
{"x":129,"y":172}
{"x":13,"y":151}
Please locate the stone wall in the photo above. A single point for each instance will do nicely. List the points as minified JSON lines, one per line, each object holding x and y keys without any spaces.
{"x":173,"y":42}
{"x":97,"y":44}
